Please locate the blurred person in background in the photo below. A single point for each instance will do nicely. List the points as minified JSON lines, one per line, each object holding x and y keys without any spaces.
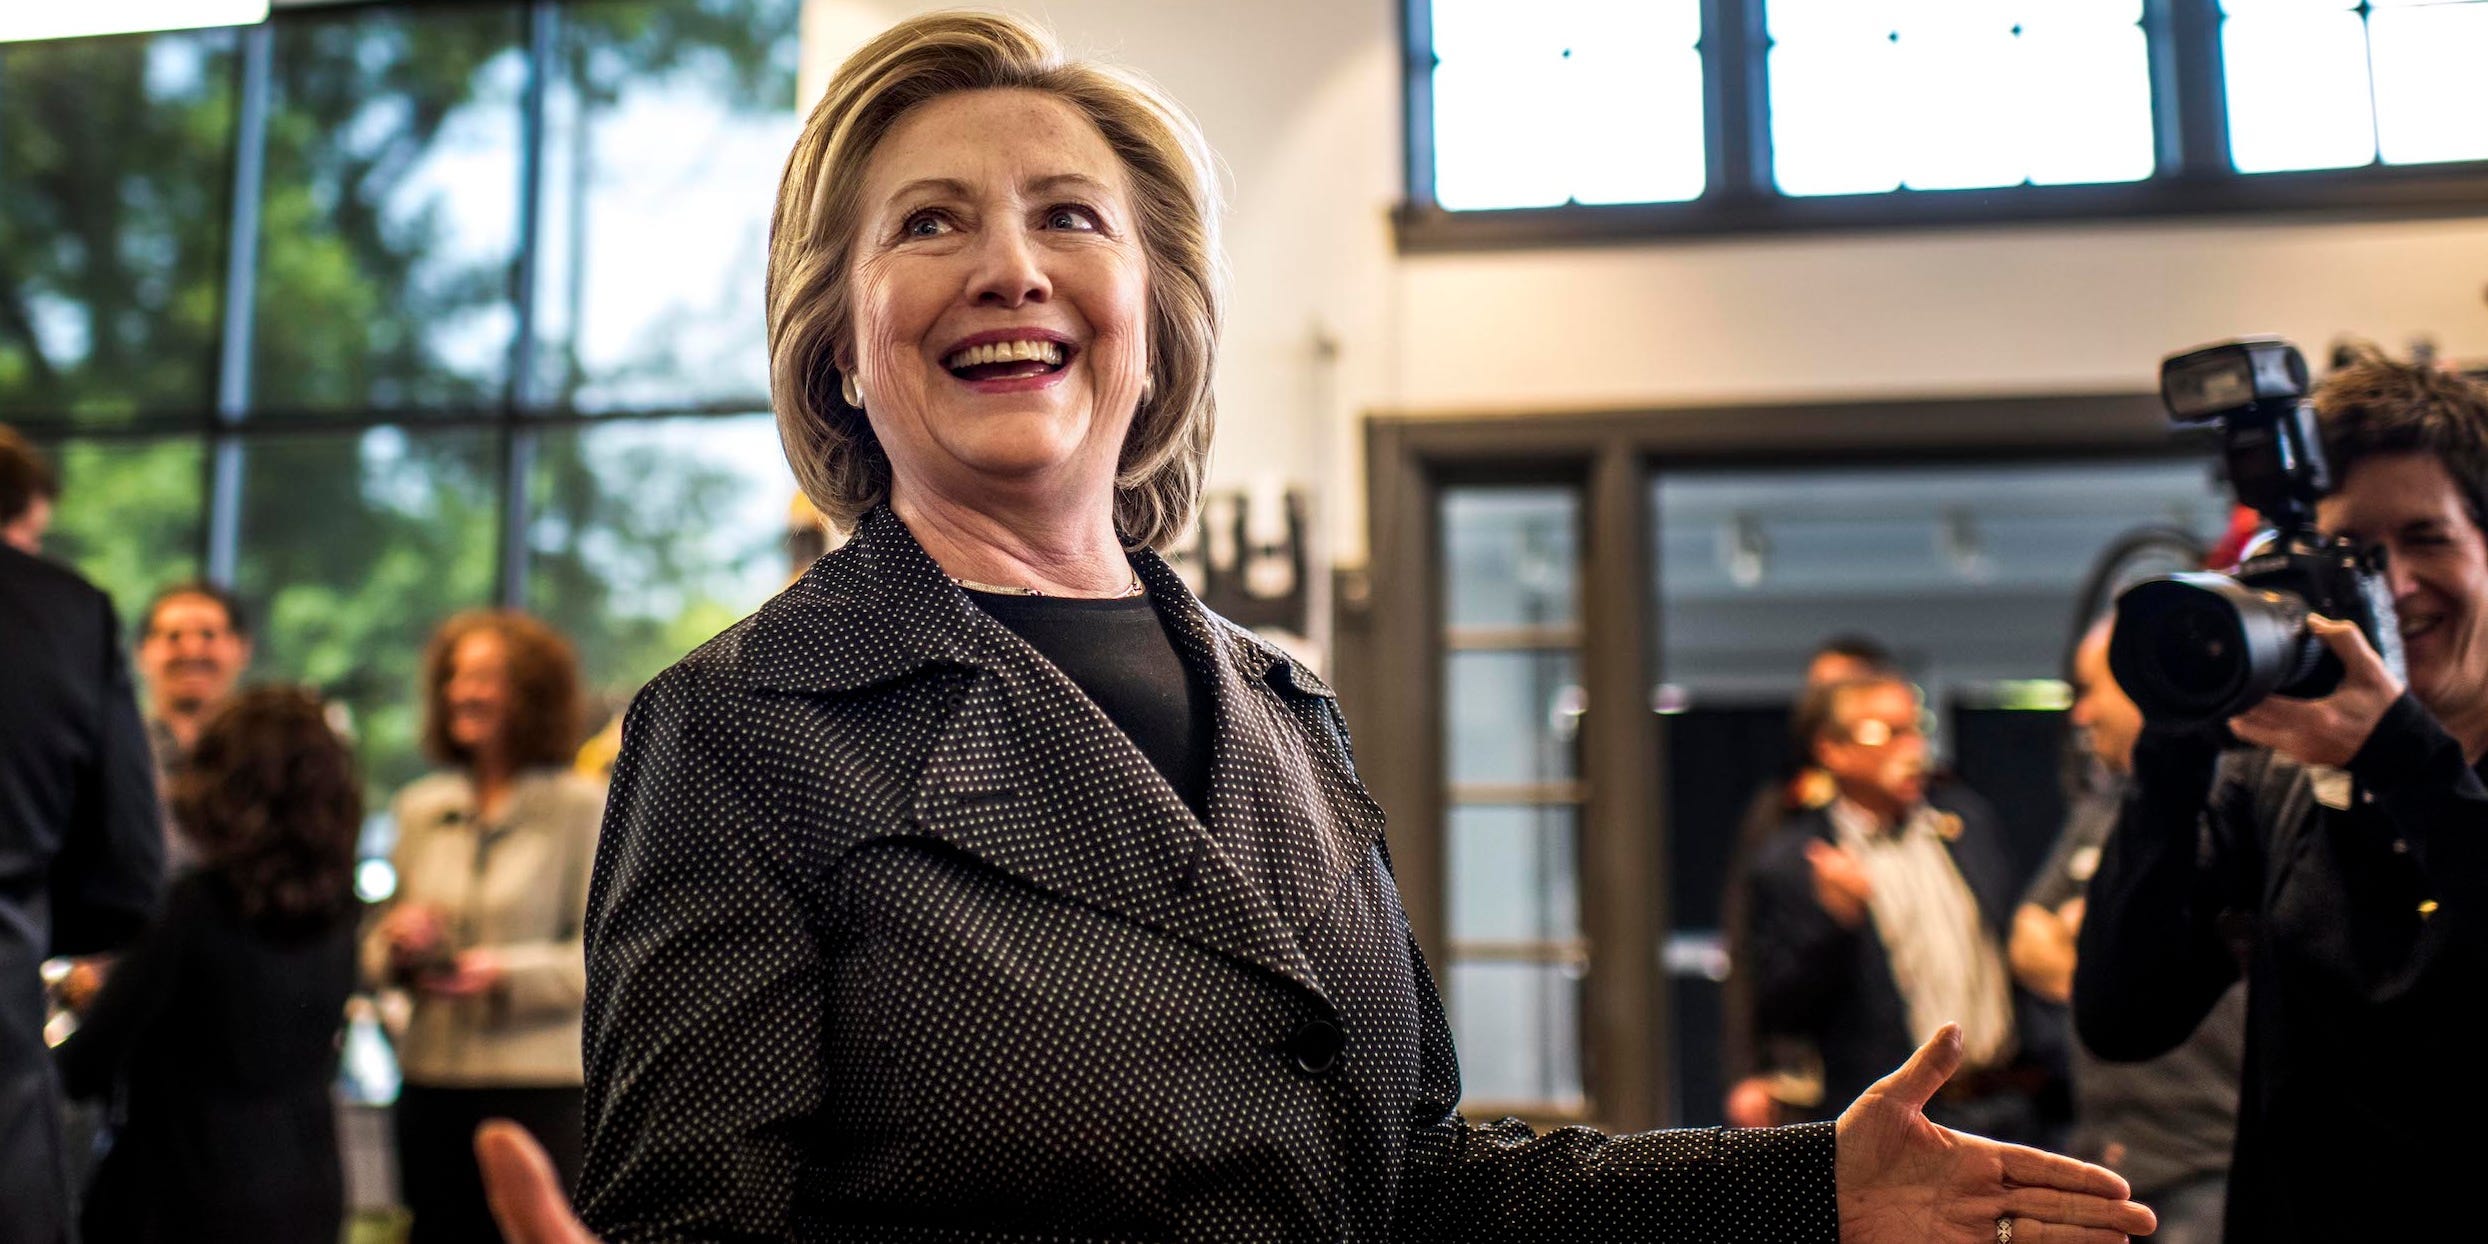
{"x":1879,"y":916}
{"x":220,"y":1024}
{"x":28,"y":490}
{"x":2166,"y":1125}
{"x":81,"y":846}
{"x":493,"y":857}
{"x":1759,"y":1082}
{"x":193,"y":645}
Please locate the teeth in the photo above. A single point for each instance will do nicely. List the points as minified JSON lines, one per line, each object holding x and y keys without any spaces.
{"x":1047,"y":352}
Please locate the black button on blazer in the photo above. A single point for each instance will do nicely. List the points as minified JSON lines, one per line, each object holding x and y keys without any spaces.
{"x":893,"y":935}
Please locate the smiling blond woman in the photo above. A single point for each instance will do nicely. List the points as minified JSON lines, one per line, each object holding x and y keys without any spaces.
{"x":984,"y":885}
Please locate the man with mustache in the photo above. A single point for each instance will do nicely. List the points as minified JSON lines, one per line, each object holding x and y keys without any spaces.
{"x":193,"y":646}
{"x":1879,"y":916}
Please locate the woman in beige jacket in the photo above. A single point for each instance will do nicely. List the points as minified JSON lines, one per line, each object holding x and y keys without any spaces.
{"x":493,"y":856}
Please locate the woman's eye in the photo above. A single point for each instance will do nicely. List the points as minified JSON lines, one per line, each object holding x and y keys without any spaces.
{"x":925,"y":225}
{"x":1078,"y":218}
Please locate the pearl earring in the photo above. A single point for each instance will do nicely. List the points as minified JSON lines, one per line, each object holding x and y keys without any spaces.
{"x":848,"y":389}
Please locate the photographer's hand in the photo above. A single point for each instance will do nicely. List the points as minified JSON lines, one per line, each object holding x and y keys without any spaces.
{"x":2328,"y":731}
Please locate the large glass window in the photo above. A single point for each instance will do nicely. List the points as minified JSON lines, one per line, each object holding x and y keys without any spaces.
{"x":1513,"y":703}
{"x":342,"y":434}
{"x":354,"y":546}
{"x":1877,"y":95}
{"x":2316,"y":84}
{"x":129,"y":514}
{"x":662,"y":154}
{"x":649,"y":536}
{"x":1571,"y":101}
{"x":1773,"y":114}
{"x":114,"y":172}
{"x":390,"y":210}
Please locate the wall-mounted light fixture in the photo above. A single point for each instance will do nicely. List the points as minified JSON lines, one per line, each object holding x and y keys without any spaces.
{"x":34,"y":20}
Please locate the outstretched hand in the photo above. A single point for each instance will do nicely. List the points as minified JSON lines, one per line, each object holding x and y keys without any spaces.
{"x":1905,"y":1180}
{"x":525,"y":1192}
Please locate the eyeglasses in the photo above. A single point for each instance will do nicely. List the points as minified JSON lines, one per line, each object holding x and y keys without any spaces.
{"x":1876,"y":732}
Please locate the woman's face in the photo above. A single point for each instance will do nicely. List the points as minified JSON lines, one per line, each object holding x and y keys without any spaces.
{"x":1001,"y":301}
{"x":477,"y":695}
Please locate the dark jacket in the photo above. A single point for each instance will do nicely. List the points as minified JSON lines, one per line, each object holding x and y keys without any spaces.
{"x":81,"y":850}
{"x":222,"y":1038}
{"x":894,"y":935}
{"x":2366,"y":966}
{"x":1816,"y":982}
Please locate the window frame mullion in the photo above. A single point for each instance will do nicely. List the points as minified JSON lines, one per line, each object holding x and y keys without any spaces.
{"x":2187,"y":63}
{"x":519,"y":439}
{"x":221,"y":535}
{"x":1736,"y":101}
{"x":1417,"y":101}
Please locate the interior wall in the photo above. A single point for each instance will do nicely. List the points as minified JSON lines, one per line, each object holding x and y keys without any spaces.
{"x":1327,"y":323}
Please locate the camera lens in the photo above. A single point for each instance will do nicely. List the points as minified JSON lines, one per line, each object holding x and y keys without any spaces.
{"x":2200,"y":647}
{"x":2195,"y":647}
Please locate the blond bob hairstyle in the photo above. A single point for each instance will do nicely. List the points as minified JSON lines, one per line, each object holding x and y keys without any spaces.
{"x":836,"y":457}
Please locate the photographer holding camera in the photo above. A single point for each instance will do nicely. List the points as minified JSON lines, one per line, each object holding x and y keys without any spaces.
{"x":2339,"y":858}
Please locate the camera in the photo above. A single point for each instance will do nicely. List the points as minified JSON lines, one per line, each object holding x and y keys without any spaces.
{"x":2203,"y":647}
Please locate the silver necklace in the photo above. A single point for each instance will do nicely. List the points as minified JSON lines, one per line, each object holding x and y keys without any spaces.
{"x":998,"y":589}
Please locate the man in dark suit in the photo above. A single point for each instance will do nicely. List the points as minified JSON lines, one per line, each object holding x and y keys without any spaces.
{"x":1757,"y":1079}
{"x":1880,"y":914}
{"x":81,"y":850}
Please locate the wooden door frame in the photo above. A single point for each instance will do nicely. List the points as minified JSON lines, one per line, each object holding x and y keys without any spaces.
{"x":1390,"y":649}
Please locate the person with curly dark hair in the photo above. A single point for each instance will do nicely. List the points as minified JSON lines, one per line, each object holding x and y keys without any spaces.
{"x":2332,"y":853}
{"x":220,"y":1025}
{"x":493,"y":856}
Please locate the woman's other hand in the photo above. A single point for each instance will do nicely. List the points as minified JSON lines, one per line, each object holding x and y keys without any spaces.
{"x":413,"y":932}
{"x":1905,"y":1180}
{"x":473,"y":972}
{"x":525,"y":1193}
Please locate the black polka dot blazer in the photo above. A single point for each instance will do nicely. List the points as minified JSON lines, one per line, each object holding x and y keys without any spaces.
{"x":893,"y":935}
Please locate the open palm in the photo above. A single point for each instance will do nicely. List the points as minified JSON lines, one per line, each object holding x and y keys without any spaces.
{"x":526,"y":1195}
{"x":1904,"y":1180}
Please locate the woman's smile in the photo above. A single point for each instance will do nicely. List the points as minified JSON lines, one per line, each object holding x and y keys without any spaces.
{"x":1010,"y":360}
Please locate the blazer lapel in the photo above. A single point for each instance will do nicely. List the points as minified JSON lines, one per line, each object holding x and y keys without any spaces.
{"x":1031,"y":777}
{"x":1284,"y":801}
{"x":1026,"y":773}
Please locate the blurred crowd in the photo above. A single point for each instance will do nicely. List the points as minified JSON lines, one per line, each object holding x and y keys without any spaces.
{"x":205,"y":930}
{"x":1869,"y":901}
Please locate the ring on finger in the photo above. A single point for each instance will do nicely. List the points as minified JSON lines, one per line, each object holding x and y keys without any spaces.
{"x":2004,"y":1229}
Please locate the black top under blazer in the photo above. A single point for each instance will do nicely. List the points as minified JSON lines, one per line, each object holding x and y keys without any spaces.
{"x":893,"y":935}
